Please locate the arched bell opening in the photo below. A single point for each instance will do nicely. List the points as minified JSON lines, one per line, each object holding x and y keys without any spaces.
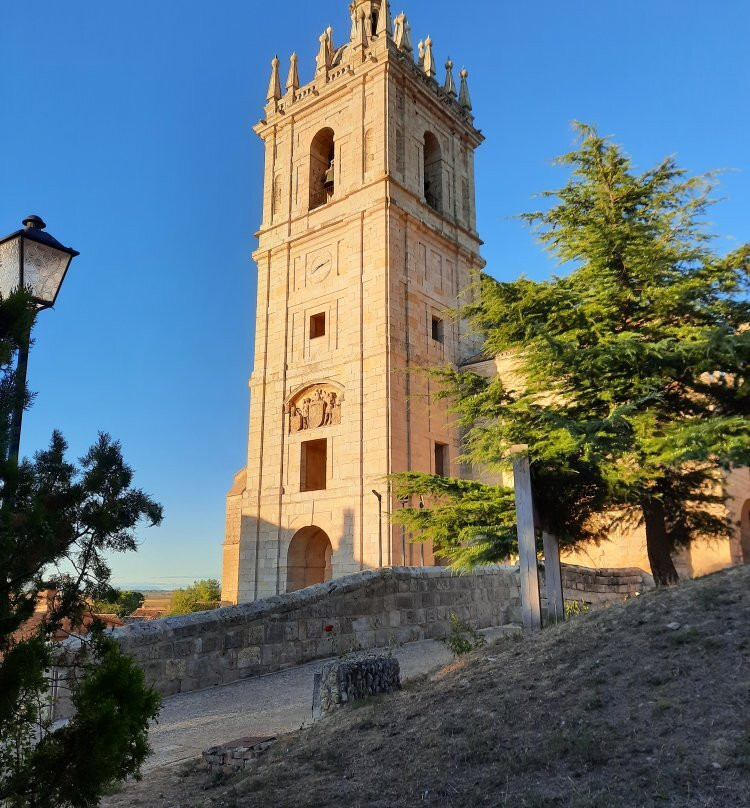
{"x":433,"y":172}
{"x":322,"y":168}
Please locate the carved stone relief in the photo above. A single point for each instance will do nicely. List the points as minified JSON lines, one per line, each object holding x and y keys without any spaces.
{"x":315,"y":408}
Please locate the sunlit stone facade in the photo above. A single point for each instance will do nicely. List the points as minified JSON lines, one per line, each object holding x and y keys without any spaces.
{"x":368,"y":235}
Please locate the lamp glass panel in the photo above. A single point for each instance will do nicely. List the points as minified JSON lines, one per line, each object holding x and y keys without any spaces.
{"x":43,"y":270}
{"x":10,"y":266}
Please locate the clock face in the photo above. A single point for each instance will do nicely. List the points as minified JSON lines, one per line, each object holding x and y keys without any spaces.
{"x":320,"y":267}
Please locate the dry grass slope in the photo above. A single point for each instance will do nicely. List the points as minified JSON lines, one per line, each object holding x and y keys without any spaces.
{"x":644,"y":704}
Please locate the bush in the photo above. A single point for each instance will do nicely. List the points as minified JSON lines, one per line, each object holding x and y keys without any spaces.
{"x":575,"y":608}
{"x":201,"y":596}
{"x":463,"y":638}
{"x":123,"y":604}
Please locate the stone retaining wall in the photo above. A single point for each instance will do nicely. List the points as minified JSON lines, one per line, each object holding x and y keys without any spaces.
{"x":602,"y":586}
{"x":367,"y":610}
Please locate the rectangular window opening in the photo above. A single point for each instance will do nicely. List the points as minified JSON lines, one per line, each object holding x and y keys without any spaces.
{"x":317,"y":326}
{"x":314,"y":465}
{"x":438,"y":330}
{"x":442,"y":461}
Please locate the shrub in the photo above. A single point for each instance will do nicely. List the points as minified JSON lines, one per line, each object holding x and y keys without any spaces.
{"x":463,"y":638}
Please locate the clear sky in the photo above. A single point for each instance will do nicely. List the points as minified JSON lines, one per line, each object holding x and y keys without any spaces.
{"x":127,"y":127}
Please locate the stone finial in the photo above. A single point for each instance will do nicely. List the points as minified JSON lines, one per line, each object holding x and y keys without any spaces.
{"x":331,"y":47}
{"x":450,"y":84}
{"x":464,"y":99}
{"x":292,"y":82}
{"x":402,"y":34}
{"x":420,"y":53}
{"x":429,"y":60}
{"x":385,"y":23}
{"x":274,"y":86}
{"x":323,"y":59}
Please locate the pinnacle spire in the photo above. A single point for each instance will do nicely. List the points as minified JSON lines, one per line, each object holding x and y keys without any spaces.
{"x":402,"y":34}
{"x":464,"y":99}
{"x":274,"y":86}
{"x":450,"y":84}
{"x":292,"y":82}
{"x":323,"y":59}
{"x":429,"y":59}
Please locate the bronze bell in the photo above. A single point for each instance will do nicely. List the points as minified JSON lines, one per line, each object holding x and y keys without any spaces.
{"x":328,"y":181}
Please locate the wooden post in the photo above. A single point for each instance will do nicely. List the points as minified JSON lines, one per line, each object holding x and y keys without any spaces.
{"x":553,"y":579}
{"x":531,"y":607}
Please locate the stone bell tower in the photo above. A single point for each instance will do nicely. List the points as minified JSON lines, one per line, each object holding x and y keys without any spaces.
{"x":368,"y":237}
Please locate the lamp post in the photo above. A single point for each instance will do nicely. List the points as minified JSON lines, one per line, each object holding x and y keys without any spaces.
{"x":379,"y":497}
{"x":33,"y":260}
{"x":404,"y":502}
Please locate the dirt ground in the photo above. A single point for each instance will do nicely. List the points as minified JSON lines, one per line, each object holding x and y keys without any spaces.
{"x":643,"y":704}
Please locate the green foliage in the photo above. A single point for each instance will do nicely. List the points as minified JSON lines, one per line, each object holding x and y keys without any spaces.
{"x":201,"y":596}
{"x":463,"y":638}
{"x":628,"y":380}
{"x":104,"y":744}
{"x":575,"y":608}
{"x":123,"y":604}
{"x":59,"y":522}
{"x":468,"y":523}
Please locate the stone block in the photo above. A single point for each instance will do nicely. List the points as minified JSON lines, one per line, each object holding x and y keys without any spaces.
{"x":249,"y":657}
{"x":174,"y":668}
{"x":184,"y":648}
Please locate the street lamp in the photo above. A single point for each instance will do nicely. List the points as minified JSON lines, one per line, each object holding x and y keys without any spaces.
{"x":33,"y":260}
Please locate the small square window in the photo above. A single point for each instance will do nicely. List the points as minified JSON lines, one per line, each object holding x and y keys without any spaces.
{"x":438,"y":331}
{"x":317,"y":326}
{"x":442,"y":460}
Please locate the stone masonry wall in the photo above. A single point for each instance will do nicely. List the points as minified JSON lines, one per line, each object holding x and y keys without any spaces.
{"x":367,"y":610}
{"x":599,"y":587}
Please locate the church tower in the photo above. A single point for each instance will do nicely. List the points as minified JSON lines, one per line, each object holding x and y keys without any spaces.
{"x":367,"y":239}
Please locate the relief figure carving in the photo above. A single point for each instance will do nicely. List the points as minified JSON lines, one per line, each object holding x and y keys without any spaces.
{"x":312,"y":410}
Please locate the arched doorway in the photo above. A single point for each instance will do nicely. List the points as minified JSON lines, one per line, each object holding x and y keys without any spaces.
{"x":309,"y":559}
{"x":745,"y":532}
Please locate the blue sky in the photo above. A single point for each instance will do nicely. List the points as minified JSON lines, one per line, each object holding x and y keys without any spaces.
{"x":127,"y":126}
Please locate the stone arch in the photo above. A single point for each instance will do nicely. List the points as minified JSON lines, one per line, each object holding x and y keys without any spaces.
{"x":303,"y":389}
{"x":432,"y":173}
{"x":322,"y":174}
{"x":309,"y":558}
{"x":745,"y":532}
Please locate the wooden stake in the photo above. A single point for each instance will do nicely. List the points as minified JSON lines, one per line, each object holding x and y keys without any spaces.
{"x":531,"y":607}
{"x":553,"y":579}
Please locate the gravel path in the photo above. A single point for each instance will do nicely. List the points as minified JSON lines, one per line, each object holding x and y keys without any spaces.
{"x":267,"y":705}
